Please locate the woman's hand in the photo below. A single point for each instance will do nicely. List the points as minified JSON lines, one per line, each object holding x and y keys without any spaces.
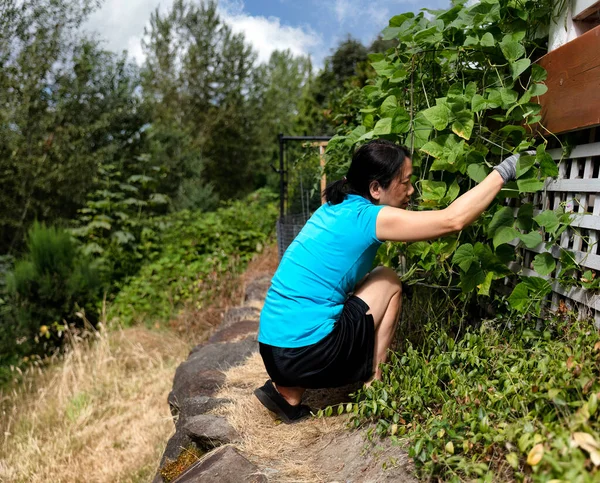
{"x":508,"y":167}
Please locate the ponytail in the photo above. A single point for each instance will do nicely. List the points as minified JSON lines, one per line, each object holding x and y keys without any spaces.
{"x":335,"y":192}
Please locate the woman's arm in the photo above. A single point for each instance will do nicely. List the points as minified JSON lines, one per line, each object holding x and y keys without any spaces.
{"x":395,"y":224}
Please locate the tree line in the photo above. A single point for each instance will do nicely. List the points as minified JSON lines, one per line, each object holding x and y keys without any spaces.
{"x":94,"y":144}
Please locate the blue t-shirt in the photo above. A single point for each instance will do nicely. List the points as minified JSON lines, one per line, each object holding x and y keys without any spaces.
{"x":334,"y":250}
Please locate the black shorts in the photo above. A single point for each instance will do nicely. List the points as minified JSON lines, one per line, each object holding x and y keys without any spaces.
{"x":343,"y":357}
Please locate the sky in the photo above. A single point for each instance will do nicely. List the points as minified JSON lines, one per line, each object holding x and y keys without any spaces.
{"x":306,"y":27}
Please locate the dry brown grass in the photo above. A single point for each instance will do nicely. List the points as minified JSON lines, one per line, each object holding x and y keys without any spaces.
{"x":279,"y":447}
{"x":97,"y":415}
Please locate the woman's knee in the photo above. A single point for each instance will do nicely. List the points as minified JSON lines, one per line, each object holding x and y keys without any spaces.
{"x":389,"y":275}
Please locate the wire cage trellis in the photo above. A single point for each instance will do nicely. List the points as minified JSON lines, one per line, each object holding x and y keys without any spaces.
{"x":289,"y":222}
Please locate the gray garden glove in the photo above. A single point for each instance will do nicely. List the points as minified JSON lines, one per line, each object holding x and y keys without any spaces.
{"x":508,"y":167}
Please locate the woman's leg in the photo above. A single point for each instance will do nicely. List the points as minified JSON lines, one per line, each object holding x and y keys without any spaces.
{"x":382,"y":291}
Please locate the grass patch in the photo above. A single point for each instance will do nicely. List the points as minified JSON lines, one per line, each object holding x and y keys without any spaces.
{"x":98,"y":413}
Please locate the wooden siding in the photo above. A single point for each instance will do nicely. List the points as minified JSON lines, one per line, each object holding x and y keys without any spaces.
{"x":573,"y":98}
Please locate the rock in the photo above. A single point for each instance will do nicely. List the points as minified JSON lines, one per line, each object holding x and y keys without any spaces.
{"x":209,"y":431}
{"x":257,"y":289}
{"x":225,"y":465}
{"x":219,"y":356}
{"x":191,"y":383}
{"x":240,"y":313}
{"x":195,"y":405}
{"x":236,"y":331}
{"x":180,"y":440}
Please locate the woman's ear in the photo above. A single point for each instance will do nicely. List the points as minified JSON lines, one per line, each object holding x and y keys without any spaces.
{"x":375,"y":190}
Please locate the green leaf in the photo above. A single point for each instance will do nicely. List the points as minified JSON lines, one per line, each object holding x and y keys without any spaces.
{"x":463,"y":125}
{"x":494,"y":98}
{"x":400,"y":121}
{"x":532,"y":239}
{"x":388,"y":106}
{"x":518,"y":67}
{"x":383,"y":126}
{"x":158,"y":199}
{"x":478,"y":103}
{"x":544,"y":263}
{"x":441,"y":146}
{"x":525,"y":217}
{"x":123,"y":237}
{"x":471,"y":40}
{"x":398,"y":76}
{"x":433,"y":190}
{"x":487,"y":40}
{"x":484,"y":287}
{"x":504,"y":235}
{"x":537,"y":286}
{"x":472,"y":278}
{"x":548,"y":220}
{"x":538,"y":73}
{"x":511,"y":49}
{"x":470,"y":90}
{"x":390,"y":33}
{"x":383,"y":68}
{"x":529,"y":185}
{"x":452,"y":193}
{"x":524,"y":164}
{"x":464,"y":256}
{"x":548,"y":166}
{"x":519,"y":298}
{"x":503,"y":217}
{"x":508,"y":96}
{"x":438,"y":116}
{"x":477,"y":172}
{"x":430,"y":35}
{"x":422,"y":131}
{"x":538,"y":89}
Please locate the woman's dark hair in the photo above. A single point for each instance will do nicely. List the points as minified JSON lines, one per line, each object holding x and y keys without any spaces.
{"x":378,"y":160}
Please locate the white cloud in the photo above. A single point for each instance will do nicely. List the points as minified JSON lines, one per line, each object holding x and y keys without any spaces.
{"x":342,"y":9}
{"x":121,"y":25}
{"x":268,"y":34}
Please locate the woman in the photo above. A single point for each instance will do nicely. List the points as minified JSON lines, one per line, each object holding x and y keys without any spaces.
{"x":326,"y":321}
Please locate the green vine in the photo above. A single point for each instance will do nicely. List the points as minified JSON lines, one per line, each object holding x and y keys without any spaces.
{"x":461,"y":91}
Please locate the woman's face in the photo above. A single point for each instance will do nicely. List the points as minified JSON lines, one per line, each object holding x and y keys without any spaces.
{"x":398,"y":193}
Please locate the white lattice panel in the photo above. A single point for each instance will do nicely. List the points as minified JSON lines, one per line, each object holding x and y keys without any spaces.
{"x":577,"y":188}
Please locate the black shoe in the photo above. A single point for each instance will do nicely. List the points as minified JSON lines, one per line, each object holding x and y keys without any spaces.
{"x":273,"y":401}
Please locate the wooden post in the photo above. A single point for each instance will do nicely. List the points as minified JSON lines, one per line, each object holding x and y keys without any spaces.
{"x":323,"y":178}
{"x":322,"y":145}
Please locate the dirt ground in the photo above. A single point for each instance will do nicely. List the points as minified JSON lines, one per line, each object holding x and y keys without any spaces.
{"x":315,"y":450}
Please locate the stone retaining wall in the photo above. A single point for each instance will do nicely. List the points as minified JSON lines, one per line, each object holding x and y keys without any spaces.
{"x":196,"y":382}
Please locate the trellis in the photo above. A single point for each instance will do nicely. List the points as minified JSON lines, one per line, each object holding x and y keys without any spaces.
{"x":577,"y":188}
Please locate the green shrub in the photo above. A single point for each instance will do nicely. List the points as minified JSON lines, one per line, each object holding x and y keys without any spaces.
{"x":48,"y":287}
{"x":197,"y":248}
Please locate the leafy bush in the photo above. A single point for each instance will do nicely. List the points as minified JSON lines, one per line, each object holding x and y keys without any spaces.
{"x":48,"y":287}
{"x":196,"y":248}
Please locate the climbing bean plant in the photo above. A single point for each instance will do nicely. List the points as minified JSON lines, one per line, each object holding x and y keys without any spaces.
{"x":503,"y":399}
{"x":460,"y":90}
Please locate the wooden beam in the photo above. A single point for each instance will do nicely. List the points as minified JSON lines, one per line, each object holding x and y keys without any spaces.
{"x":582,"y":9}
{"x":323,"y":177}
{"x":573,"y":98}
